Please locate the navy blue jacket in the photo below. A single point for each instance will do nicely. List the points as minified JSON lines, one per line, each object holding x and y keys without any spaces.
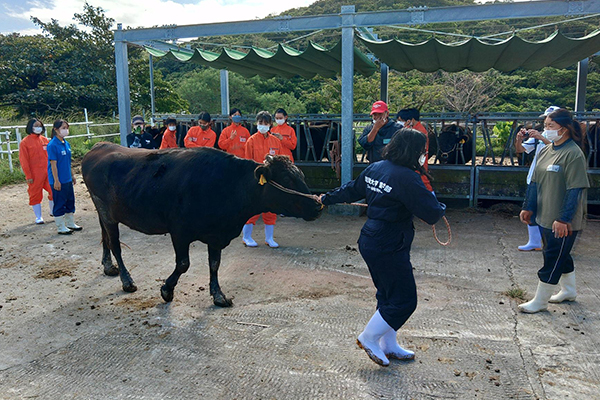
{"x":394,"y":194}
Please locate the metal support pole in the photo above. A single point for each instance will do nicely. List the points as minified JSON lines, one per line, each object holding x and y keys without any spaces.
{"x":122,"y":71}
{"x":385,"y":71}
{"x":582,"y":73}
{"x":152,"y":108}
{"x":224,"y":92}
{"x":87,"y":124}
{"x":347,"y":163}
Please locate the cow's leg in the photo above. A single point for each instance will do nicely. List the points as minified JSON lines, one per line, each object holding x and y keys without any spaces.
{"x":214,"y":261}
{"x":112,"y":231}
{"x":109,"y":268}
{"x":182,"y":263}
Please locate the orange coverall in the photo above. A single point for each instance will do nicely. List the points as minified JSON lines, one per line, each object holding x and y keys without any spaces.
{"x":419,"y":127}
{"x":289,"y":141}
{"x":169,"y":140}
{"x":34,"y":161}
{"x":237,"y":144}
{"x":257,"y":147}
{"x":196,"y":137}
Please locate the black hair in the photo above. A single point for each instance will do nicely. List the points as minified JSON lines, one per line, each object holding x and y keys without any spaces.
{"x":264,"y":116}
{"x":280,"y":111}
{"x":405,"y":148}
{"x":29,"y":127}
{"x":57,"y":124}
{"x":409,"y":113}
{"x":565,"y":119}
{"x":204,"y":116}
{"x":170,"y":121}
{"x":234,"y":110}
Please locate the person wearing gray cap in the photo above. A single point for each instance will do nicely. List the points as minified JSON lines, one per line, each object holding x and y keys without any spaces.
{"x":139,"y":138}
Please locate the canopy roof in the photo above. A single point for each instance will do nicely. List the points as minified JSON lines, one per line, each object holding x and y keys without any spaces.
{"x":286,"y":62}
{"x":475,"y":55}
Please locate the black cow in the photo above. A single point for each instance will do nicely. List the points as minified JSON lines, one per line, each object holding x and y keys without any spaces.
{"x":192,"y":194}
{"x":455,"y":145}
{"x":593,"y":141}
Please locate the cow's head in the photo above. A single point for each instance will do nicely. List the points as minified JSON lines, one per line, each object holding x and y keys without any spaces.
{"x":280,"y":170}
{"x":449,"y":139}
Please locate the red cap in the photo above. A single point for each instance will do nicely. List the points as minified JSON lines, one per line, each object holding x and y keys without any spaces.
{"x":379,"y":107}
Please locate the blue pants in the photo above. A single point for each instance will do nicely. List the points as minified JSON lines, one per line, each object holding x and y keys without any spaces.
{"x":385,"y":248}
{"x":557,"y":256}
{"x":64,"y":200}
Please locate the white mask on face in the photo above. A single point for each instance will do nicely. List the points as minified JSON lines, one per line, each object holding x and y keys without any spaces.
{"x":172,"y":128}
{"x":401,"y":123}
{"x":63,"y":133}
{"x":552,"y":135}
{"x":37,"y":129}
{"x":422,"y":159}
{"x":263,"y":128}
{"x":280,"y":121}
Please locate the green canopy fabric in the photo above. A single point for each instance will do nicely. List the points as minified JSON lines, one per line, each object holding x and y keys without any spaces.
{"x":475,"y":55}
{"x":287,"y":62}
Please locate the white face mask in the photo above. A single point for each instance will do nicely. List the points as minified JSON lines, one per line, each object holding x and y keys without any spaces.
{"x":172,"y":128}
{"x":401,"y":123}
{"x":552,"y":135}
{"x":63,"y":133}
{"x":422,"y":159}
{"x":263,"y":128}
{"x":280,"y":121}
{"x":37,"y":129}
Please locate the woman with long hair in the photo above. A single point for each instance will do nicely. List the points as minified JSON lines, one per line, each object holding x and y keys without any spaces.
{"x":394,"y":192}
{"x":557,"y":196}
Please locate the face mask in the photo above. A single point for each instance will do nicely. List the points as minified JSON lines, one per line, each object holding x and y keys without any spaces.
{"x":552,"y":135}
{"x":374,"y":121}
{"x":263,"y":128}
{"x":237,"y":119}
{"x":172,"y":128}
{"x":37,"y":129}
{"x":203,"y":127}
{"x":422,"y":159}
{"x":280,"y":121}
{"x":63,"y":132}
{"x":401,"y":123}
{"x":137,"y":129}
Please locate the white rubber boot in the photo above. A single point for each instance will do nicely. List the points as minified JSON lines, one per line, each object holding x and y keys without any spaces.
{"x":392,"y":349}
{"x":540,"y":301}
{"x":37,"y":210}
{"x":567,"y":289}
{"x":269,"y":236}
{"x":368,"y":340}
{"x":535,"y":239}
{"x":60,"y":224}
{"x":247,"y":236}
{"x":69,"y":223}
{"x":51,"y":206}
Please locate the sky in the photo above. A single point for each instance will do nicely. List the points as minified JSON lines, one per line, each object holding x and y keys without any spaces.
{"x":15,"y":14}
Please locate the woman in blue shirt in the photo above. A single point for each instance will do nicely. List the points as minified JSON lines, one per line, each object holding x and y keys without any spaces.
{"x":61,"y":180}
{"x":394,"y":192}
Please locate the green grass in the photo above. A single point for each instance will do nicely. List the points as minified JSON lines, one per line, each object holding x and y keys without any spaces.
{"x":8,"y":178}
{"x":515,"y":293}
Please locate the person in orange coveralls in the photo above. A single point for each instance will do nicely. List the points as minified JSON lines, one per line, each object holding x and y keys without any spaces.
{"x":201,"y":135}
{"x":233,"y":139}
{"x":34,"y":161}
{"x":258,"y":146}
{"x":409,"y":118}
{"x":169,"y":139}
{"x":285,"y":133}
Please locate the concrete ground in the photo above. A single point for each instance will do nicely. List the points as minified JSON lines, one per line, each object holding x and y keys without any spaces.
{"x":69,"y":332}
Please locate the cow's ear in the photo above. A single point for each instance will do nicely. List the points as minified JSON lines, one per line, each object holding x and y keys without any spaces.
{"x":263,"y":174}
{"x":268,"y":159}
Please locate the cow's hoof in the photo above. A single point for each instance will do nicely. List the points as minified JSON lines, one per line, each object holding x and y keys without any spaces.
{"x":130,"y":288}
{"x":222,"y":301}
{"x":111,"y":270}
{"x":167,"y":295}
